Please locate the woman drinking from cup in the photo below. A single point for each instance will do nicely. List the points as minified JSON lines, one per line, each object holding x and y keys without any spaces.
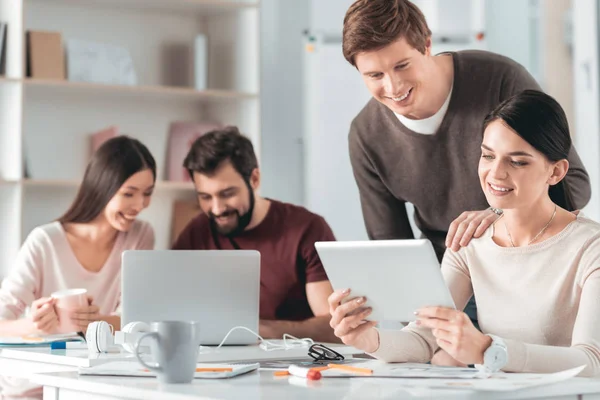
{"x":69,"y":271}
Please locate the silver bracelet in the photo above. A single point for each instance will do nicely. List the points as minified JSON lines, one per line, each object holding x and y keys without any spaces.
{"x":496,"y":211}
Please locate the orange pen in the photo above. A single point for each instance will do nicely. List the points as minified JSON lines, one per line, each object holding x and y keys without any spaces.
{"x":348,"y":368}
{"x":214,"y":369}
{"x":204,"y":370}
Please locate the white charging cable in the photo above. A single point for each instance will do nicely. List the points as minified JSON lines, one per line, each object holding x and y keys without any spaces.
{"x":289,"y":341}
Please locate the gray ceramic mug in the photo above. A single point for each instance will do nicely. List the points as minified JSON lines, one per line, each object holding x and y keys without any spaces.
{"x":174,"y":347}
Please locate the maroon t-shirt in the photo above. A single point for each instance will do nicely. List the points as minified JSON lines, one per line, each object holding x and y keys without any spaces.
{"x":286,"y":242}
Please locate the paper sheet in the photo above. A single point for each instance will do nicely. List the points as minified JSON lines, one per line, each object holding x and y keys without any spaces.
{"x":424,"y":375}
{"x":38,"y":340}
{"x":407,"y":370}
{"x":133,"y":368}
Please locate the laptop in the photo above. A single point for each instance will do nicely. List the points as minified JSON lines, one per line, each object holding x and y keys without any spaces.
{"x":218,"y":288}
{"x":396,"y":276}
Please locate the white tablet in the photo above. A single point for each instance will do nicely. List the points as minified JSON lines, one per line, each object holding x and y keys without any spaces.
{"x":396,"y":276}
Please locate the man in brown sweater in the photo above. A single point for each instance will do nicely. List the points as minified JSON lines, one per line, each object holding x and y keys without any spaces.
{"x":418,"y":139}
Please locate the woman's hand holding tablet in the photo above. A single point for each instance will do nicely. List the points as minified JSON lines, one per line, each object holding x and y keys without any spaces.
{"x":348,"y":321}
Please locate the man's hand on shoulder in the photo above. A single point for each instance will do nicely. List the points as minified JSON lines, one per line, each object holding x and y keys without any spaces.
{"x":469,"y":225}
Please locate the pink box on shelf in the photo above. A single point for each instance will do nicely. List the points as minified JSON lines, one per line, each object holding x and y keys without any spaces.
{"x":181,"y":137}
{"x":98,"y":138}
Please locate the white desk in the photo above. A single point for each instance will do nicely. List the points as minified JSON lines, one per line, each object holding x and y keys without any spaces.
{"x":64,"y":383}
{"x":263,"y":385}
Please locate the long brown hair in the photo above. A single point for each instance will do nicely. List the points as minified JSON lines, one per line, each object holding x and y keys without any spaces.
{"x":111,"y":165}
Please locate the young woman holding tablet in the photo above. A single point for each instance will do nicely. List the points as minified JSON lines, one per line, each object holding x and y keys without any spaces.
{"x":82,"y":249}
{"x":535,"y":272}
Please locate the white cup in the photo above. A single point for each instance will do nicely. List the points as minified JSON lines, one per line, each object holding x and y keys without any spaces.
{"x":66,"y":302}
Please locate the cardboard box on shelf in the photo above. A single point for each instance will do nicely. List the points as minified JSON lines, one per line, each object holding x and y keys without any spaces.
{"x":45,"y":55}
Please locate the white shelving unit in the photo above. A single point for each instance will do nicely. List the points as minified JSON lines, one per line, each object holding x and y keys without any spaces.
{"x":45,"y":125}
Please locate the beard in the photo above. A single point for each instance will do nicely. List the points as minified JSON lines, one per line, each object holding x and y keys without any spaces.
{"x":241,"y":221}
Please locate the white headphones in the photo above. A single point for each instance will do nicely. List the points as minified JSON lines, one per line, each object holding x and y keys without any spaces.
{"x":130,"y":334}
{"x":99,"y":336}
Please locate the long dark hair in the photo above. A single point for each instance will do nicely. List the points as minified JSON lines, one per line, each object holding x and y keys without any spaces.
{"x":539,"y":120}
{"x":111,"y":165}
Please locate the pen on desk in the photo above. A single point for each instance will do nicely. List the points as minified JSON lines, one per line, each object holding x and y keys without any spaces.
{"x":349,"y":368}
{"x":203,"y":369}
{"x":214,"y":369}
{"x":67,"y":345}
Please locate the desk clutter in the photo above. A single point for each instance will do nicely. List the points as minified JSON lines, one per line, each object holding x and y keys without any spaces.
{"x":415,"y":376}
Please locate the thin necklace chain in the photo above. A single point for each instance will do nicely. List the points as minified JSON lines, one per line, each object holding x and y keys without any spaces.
{"x":536,"y":236}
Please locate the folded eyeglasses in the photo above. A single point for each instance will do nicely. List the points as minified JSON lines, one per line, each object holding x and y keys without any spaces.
{"x":320,"y":352}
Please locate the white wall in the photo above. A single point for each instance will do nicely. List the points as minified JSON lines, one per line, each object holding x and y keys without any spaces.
{"x":334,"y":95}
{"x":327,"y":16}
{"x":511,"y":30}
{"x":557,"y":72}
{"x":587,"y":95}
{"x":282,"y":24}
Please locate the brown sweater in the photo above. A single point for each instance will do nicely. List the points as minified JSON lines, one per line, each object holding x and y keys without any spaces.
{"x":437,"y":173}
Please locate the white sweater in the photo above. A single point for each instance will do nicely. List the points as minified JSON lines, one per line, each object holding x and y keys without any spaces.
{"x":542,"y":299}
{"x":46,"y":263}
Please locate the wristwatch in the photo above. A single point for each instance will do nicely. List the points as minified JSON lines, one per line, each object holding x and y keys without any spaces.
{"x":495,"y":357}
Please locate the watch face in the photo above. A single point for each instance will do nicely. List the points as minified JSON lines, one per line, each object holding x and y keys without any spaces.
{"x":495,"y":357}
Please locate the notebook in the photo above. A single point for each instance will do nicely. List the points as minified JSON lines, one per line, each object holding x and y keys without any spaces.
{"x":133,"y":368}
{"x":39,"y":340}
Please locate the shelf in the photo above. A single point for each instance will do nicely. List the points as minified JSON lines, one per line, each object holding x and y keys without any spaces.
{"x":203,"y":7}
{"x":9,"y":80}
{"x":163,"y":92}
{"x":160,"y":185}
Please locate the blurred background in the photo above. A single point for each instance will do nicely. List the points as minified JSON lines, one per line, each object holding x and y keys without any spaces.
{"x":73,"y":73}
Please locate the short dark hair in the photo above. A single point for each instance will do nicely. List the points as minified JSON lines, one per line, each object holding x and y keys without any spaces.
{"x":213,"y":148}
{"x":373,"y":24}
{"x":111,"y":165}
{"x":539,"y":120}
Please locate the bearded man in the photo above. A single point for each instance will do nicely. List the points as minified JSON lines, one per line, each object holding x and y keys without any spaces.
{"x":293,"y":284}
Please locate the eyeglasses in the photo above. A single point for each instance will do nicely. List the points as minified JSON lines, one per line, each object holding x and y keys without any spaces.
{"x":319,"y":352}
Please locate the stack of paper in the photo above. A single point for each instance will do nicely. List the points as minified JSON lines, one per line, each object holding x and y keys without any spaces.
{"x":133,"y":368}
